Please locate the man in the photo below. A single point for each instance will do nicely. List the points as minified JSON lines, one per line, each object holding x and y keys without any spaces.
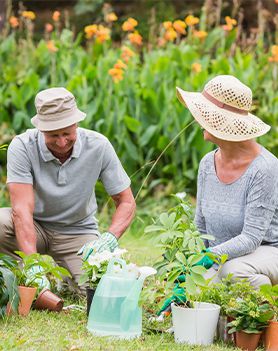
{"x":51,"y":175}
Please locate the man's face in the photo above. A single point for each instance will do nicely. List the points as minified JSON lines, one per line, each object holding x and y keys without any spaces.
{"x":61,"y":141}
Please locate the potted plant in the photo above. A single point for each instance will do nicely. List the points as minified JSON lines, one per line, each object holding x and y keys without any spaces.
{"x":28,"y":279}
{"x":93,"y":270}
{"x":251,"y":316}
{"x":193,"y":322}
{"x":221,"y":294}
{"x":9,"y":297}
{"x":271,"y":332}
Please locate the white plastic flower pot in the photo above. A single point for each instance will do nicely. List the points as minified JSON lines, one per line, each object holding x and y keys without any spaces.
{"x":195,"y":326}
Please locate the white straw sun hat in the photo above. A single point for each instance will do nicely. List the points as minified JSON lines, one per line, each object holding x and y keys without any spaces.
{"x":222,"y":109}
{"x":56,"y":109}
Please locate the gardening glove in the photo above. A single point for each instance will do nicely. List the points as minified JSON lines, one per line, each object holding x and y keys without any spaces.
{"x":205,"y":261}
{"x":178,"y":296}
{"x":41,"y":282}
{"x":107,"y":241}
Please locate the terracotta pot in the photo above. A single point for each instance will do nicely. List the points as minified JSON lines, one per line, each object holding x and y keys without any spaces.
{"x":48,"y":301}
{"x":26,"y":295}
{"x":247,"y":342}
{"x":271,"y":336}
{"x":90,"y":292}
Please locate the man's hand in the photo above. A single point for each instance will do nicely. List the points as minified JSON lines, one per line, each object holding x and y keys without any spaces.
{"x":36,"y":277}
{"x":107,"y":241}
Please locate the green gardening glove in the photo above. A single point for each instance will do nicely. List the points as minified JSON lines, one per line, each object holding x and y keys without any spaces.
{"x":205,"y":261}
{"x":178,"y":296}
{"x":107,"y":241}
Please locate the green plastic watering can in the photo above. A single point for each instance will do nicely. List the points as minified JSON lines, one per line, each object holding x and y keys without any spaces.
{"x":114,"y":310}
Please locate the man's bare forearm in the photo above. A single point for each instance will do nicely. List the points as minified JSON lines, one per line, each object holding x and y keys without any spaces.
{"x":122,"y":218}
{"x":25,"y":231}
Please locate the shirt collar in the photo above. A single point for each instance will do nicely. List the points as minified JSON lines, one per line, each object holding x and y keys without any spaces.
{"x":48,"y":156}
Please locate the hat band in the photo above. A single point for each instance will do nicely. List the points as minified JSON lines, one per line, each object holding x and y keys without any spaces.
{"x":223,"y":105}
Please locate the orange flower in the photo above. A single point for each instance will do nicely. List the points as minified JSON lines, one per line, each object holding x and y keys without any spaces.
{"x":14,"y":21}
{"x":230,"y":23}
{"x":274,"y":52}
{"x":90,"y":30}
{"x":56,"y":16}
{"x":135,"y":38}
{"x":201,"y":34}
{"x":51,"y":46}
{"x":167,"y":25}
{"x":191,"y":20}
{"x":116,"y":74}
{"x":111,"y":17}
{"x":48,"y":27}
{"x":127,"y":53}
{"x":102,"y":34}
{"x":179,"y":26}
{"x":170,"y":35}
{"x":129,"y":25}
{"x":196,"y":67}
{"x":29,"y":15}
{"x":274,"y":49}
{"x":120,"y":64}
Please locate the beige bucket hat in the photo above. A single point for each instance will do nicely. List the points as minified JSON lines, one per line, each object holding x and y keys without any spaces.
{"x":222,"y":109}
{"x":56,"y":109}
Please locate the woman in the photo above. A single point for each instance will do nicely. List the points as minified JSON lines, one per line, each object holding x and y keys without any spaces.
{"x":237,"y":198}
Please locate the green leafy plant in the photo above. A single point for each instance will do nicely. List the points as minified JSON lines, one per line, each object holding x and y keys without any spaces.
{"x":226,"y":290}
{"x":251,"y":314}
{"x":145,"y":98}
{"x":8,"y":284}
{"x":28,"y":277}
{"x":271,"y":294}
{"x":183,"y":247}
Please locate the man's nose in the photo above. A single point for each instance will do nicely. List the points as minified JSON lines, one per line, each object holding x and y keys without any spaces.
{"x":61,"y":142}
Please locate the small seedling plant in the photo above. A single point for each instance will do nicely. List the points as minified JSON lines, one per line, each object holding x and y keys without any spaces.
{"x":28,"y":277}
{"x":227,"y":291}
{"x":251,"y":314}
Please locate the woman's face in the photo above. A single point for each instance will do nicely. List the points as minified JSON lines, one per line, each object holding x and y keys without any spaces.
{"x":210,"y":137}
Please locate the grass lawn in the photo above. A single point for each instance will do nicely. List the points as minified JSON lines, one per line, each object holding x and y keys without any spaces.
{"x":42,"y":330}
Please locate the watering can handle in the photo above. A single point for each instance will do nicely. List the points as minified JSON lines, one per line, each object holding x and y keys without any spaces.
{"x":111,"y":264}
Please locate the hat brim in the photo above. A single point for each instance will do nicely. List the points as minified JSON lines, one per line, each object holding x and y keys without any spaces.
{"x":48,"y":125}
{"x":193,"y":100}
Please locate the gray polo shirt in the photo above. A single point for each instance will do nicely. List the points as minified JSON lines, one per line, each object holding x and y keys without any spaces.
{"x":64,"y":193}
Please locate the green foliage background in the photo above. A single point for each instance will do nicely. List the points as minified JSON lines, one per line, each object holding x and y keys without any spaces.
{"x":140,"y":114}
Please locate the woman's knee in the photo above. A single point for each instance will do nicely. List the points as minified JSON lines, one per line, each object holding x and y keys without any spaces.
{"x":235,"y":268}
{"x":243,"y":270}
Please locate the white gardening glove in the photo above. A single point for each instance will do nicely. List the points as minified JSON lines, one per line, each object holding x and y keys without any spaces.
{"x":107,"y":241}
{"x":35,"y":277}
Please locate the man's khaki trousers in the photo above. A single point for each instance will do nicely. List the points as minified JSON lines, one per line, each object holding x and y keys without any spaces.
{"x":63,"y":248}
